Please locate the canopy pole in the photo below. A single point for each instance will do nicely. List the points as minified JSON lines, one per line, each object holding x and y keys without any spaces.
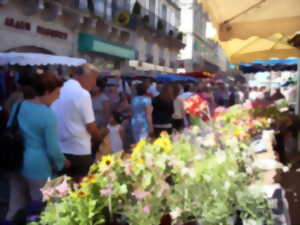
{"x":298,"y":89}
{"x":298,"y":102}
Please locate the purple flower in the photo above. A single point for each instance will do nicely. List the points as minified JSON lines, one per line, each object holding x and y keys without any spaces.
{"x":147,"y":209}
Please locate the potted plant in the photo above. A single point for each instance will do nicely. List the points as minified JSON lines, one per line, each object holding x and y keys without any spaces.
{"x":205,"y":174}
{"x":160,"y":25}
{"x":146,"y":19}
{"x":136,"y":11}
{"x":180,"y":36}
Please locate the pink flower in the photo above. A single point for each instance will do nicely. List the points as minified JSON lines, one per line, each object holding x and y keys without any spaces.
{"x":107,"y":191}
{"x":220,"y":109}
{"x":139,"y":194}
{"x":63,"y":188}
{"x":127,"y":168}
{"x":147,"y":209}
{"x":48,"y":193}
{"x":163,"y":187}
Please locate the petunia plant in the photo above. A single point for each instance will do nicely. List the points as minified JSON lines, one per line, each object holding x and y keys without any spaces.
{"x":203,"y":174}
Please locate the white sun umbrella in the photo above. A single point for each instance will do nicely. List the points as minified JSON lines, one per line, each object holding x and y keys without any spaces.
{"x":38,"y":59}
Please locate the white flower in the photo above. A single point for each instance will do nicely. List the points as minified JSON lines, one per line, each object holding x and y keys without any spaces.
{"x":189,"y":172}
{"x":214,"y":193}
{"x":231,"y":173}
{"x":198,"y":140}
{"x":199,"y":156}
{"x":176,"y":213}
{"x":209,"y":140}
{"x":221,"y":156}
{"x":236,"y":150}
{"x":253,"y":222}
{"x":249,"y":170}
{"x":195,"y":130}
{"x":227,"y":185}
{"x":207,"y":178}
{"x":233,"y":141}
{"x":231,"y":220}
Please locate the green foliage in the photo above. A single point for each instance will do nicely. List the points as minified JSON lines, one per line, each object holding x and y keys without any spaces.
{"x":207,"y":173}
{"x":160,"y":25}
{"x":146,"y":19}
{"x":136,"y":9}
{"x":180,"y":36}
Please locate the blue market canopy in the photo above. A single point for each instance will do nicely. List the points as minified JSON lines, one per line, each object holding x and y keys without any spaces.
{"x":269,"y":65}
{"x":173,"y":78}
{"x":289,"y":61}
{"x":261,"y":68}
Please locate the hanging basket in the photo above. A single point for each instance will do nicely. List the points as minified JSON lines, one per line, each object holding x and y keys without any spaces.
{"x":123,"y":18}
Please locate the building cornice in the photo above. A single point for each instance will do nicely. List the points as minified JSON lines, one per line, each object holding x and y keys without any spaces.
{"x":176,"y":6}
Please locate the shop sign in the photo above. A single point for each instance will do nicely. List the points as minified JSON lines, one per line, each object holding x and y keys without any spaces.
{"x":89,"y":43}
{"x":18,"y":24}
{"x":51,"y":33}
{"x":22,"y":25}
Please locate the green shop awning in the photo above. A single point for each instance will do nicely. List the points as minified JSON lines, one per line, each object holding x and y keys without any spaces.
{"x":89,"y":43}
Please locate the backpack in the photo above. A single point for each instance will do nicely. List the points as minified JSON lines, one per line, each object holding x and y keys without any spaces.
{"x":12,"y":145}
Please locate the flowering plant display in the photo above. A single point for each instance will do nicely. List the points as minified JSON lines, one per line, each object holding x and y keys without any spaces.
{"x":197,"y":106}
{"x":204,"y":174}
{"x":190,"y":177}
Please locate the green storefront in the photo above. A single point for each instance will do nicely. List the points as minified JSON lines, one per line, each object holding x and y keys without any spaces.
{"x":90,"y":43}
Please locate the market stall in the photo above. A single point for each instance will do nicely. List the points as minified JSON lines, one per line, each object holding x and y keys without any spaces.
{"x":207,"y":174}
{"x":174,"y":78}
{"x":269,"y":65}
{"x":37,"y":59}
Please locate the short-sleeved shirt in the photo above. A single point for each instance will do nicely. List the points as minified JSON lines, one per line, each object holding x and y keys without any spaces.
{"x":74,"y":111}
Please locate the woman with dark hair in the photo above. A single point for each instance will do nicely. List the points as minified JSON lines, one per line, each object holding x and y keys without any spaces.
{"x":101,"y":104}
{"x":38,"y":126}
{"x":163,"y":110}
{"x":141,"y":121}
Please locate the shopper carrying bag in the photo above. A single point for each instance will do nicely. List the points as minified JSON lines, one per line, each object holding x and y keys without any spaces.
{"x":12,"y":146}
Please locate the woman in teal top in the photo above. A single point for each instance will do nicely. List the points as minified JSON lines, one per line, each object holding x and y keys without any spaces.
{"x":39,"y":129}
{"x":42,"y":153}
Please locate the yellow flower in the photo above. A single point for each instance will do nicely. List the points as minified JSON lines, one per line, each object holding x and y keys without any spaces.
{"x":164,"y":143}
{"x":164,"y":134}
{"x":107,"y":161}
{"x":90,"y":179}
{"x":138,"y":148}
{"x":138,"y":160}
{"x":81,"y":194}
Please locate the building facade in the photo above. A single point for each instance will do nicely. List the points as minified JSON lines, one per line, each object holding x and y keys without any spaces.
{"x":115,"y":35}
{"x":199,"y":53}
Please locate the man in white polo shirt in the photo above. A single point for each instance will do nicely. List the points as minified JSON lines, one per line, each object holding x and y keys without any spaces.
{"x":76,"y":120}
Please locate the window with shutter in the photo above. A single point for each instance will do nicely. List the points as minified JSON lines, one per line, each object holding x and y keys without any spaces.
{"x":99,"y":7}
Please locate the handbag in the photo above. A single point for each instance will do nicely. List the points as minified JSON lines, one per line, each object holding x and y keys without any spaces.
{"x":12,"y":145}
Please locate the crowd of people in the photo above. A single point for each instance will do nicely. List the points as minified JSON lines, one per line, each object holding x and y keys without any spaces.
{"x":63,"y":124}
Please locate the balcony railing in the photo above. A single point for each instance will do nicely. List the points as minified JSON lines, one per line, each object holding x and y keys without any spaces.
{"x":156,"y":22}
{"x":149,"y":58}
{"x":162,"y":61}
{"x":173,"y":64}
